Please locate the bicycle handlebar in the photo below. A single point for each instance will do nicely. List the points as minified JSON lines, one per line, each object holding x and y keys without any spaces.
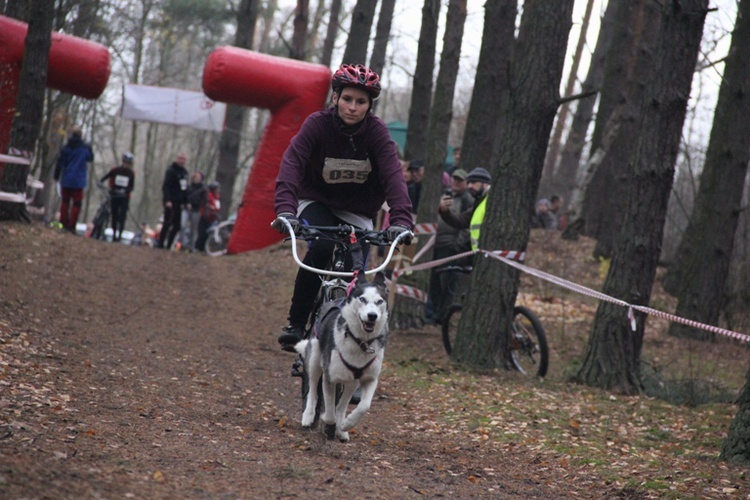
{"x":341,"y":231}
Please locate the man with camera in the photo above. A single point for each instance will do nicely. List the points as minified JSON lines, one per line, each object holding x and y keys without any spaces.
{"x":449,"y":240}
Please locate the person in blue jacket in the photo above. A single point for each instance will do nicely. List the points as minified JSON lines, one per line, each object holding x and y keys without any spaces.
{"x":339,"y":169}
{"x":72,"y":173}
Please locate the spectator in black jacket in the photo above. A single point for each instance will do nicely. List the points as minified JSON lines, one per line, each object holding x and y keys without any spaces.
{"x":174,"y":198}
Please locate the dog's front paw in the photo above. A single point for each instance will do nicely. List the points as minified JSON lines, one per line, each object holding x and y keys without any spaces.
{"x":343,"y":436}
{"x":308,"y":418}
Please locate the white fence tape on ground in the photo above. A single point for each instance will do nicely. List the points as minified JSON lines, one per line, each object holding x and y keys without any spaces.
{"x":514,"y":259}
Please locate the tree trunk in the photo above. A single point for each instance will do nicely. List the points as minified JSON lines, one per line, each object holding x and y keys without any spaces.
{"x":437,"y":139}
{"x":736,"y":447}
{"x":562,"y":116}
{"x":535,"y":77}
{"x":235,"y":118}
{"x":30,"y":102}
{"x":700,"y":269}
{"x":613,"y":353}
{"x":331,"y":33}
{"x":382,"y":35}
{"x":621,"y":59}
{"x":359,"y":32}
{"x":421,"y":92}
{"x":301,"y":15}
{"x":564,"y":180}
{"x":491,"y":84}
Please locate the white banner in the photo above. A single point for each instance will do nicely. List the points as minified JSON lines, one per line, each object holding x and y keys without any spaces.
{"x":173,"y":106}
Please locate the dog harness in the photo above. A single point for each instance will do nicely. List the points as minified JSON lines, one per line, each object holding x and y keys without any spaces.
{"x":356,"y":372}
{"x":365,"y":345}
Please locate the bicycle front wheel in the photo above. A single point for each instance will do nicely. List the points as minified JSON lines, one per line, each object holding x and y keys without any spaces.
{"x":450,"y":327}
{"x":218,"y":238}
{"x":528,"y":343}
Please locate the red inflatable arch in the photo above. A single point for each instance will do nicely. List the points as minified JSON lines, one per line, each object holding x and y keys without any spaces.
{"x":291,"y":90}
{"x":76,"y":66}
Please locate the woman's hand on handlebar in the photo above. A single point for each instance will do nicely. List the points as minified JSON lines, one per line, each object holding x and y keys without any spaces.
{"x":279,"y":225}
{"x":396,"y":230}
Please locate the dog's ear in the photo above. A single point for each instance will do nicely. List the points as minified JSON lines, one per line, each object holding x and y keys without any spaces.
{"x":379,"y":280}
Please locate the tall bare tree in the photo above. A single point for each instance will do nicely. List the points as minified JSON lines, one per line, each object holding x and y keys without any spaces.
{"x":331,"y":33}
{"x":554,"y":145}
{"x":359,"y":32}
{"x":491,"y":84}
{"x":382,"y":35}
{"x":535,"y":77}
{"x":299,"y":37}
{"x":30,"y":101}
{"x":234,"y":123}
{"x":627,"y":48}
{"x":700,"y":269}
{"x":612,"y":359}
{"x":421,"y":92}
{"x":564,"y":180}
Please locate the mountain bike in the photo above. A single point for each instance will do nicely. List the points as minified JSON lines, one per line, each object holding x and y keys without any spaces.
{"x":103,"y":212}
{"x":334,"y":286}
{"x":529,"y":353}
{"x":218,"y":237}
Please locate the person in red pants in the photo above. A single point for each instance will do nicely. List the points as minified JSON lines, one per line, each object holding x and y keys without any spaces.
{"x":72,"y":173}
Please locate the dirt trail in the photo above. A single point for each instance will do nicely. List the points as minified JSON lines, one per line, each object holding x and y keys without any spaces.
{"x":132,"y":372}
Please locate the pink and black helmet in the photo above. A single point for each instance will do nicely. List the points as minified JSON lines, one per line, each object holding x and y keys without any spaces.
{"x":358,"y":76}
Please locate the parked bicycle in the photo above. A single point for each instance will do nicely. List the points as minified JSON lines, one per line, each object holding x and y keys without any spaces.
{"x":103,"y":213}
{"x":334,"y":285}
{"x":218,"y":237}
{"x":529,"y":353}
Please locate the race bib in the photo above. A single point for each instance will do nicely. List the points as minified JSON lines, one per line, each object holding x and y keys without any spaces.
{"x":121,"y":181}
{"x":340,"y":171}
{"x":183,"y":184}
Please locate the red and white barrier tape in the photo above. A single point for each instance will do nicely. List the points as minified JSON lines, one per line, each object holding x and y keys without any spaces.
{"x":412,"y":292}
{"x":425,"y":228}
{"x":598,"y":295}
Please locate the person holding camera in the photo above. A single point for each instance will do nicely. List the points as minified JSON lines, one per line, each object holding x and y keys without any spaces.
{"x":449,"y":241}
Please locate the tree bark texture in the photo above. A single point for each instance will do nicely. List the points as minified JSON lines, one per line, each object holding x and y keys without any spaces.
{"x":736,"y":446}
{"x":234,"y":121}
{"x":613,"y":352}
{"x":359,"y":32}
{"x":535,"y":77}
{"x":616,"y":84}
{"x":700,"y":269}
{"x":489,"y":99}
{"x":30,"y":101}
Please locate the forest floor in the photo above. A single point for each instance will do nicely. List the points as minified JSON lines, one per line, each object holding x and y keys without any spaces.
{"x":128,"y":372}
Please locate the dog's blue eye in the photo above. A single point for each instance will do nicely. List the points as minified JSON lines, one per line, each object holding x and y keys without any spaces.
{"x":363,"y":300}
{"x":379,"y":302}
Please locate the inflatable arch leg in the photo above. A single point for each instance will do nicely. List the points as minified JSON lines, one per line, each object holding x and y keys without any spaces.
{"x":76,"y":66}
{"x":291,"y":90}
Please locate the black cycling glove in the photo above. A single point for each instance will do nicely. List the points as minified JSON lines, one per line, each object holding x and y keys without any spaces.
{"x":281,"y":227}
{"x":396,"y":229}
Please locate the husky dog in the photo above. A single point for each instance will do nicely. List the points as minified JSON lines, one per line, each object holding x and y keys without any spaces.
{"x":346,"y":349}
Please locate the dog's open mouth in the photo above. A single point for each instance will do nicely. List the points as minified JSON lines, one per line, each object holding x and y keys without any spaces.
{"x":368,"y":326}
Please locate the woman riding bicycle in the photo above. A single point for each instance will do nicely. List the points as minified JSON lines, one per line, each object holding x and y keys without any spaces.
{"x":339,"y":169}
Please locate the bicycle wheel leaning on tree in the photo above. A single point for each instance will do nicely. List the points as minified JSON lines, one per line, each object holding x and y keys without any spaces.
{"x":529,"y":353}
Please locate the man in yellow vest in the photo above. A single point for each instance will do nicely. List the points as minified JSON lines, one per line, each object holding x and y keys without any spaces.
{"x":478,"y":183}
